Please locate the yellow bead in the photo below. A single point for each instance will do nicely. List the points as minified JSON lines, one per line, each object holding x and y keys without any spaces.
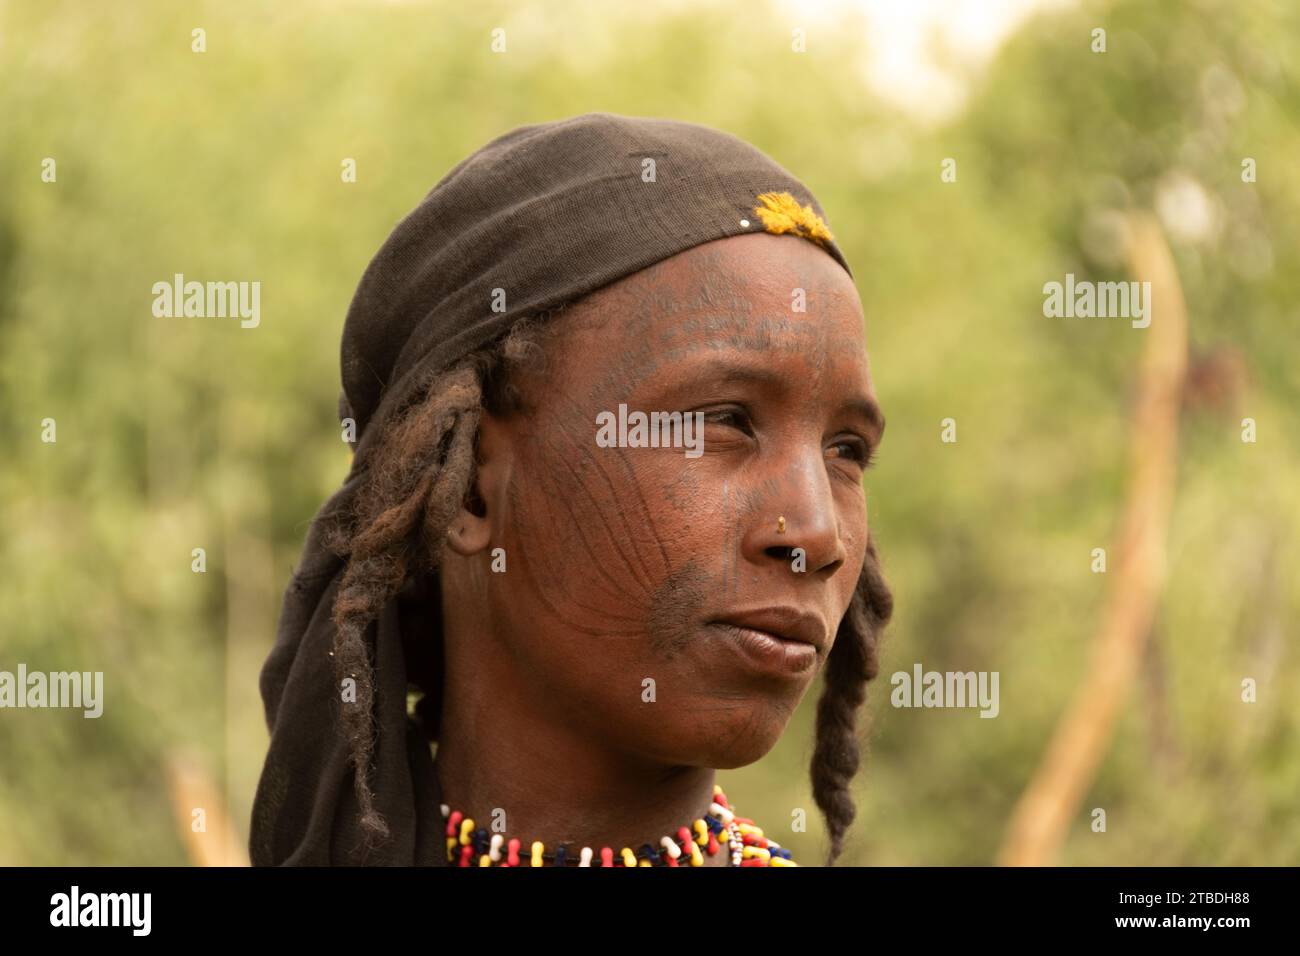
{"x":755,"y":851}
{"x":745,"y":828}
{"x":466,"y":831}
{"x":629,"y":858}
{"x":451,"y":849}
{"x":485,"y":860}
{"x":701,"y":833}
{"x":781,"y":861}
{"x":537,"y":853}
{"x":697,"y":858}
{"x":644,"y":862}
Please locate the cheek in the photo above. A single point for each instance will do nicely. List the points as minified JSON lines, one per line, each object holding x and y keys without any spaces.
{"x":854,"y":533}
{"x":611,"y":557}
{"x":591,"y":532}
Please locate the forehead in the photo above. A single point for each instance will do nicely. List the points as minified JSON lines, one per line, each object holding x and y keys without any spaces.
{"x":780,"y":295}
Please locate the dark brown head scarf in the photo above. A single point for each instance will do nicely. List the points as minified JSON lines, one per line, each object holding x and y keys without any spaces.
{"x":545,"y":214}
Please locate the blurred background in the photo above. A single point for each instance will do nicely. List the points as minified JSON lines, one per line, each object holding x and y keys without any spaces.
{"x":176,"y":434}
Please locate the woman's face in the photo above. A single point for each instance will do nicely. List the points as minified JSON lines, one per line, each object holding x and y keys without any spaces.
{"x":631,"y":565}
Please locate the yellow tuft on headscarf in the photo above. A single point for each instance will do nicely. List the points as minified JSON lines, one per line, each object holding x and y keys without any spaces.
{"x":782,"y":213}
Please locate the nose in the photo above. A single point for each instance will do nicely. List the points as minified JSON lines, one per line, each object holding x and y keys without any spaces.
{"x":798,"y":513}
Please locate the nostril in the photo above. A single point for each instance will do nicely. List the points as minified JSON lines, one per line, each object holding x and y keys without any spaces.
{"x":788,"y":556}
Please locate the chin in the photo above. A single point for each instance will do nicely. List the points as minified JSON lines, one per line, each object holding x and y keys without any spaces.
{"x":742,"y":735}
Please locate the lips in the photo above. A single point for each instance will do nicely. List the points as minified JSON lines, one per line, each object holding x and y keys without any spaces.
{"x":783,"y":623}
{"x":781,"y":643}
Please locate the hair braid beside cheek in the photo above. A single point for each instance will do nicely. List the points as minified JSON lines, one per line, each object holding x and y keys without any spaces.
{"x":852,"y":663}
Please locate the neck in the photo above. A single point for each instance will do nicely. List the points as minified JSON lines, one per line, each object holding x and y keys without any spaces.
{"x":502,"y":750}
{"x":558,"y":789}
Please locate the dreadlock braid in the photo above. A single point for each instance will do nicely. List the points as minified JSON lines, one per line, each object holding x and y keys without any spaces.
{"x":851,"y":664}
{"x":419,"y":476}
{"x":413,"y":487}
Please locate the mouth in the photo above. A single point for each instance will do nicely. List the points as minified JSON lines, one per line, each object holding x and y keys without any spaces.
{"x":778,"y":640}
{"x":781,"y":623}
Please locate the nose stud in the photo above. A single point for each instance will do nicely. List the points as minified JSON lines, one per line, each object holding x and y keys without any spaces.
{"x":780,"y":525}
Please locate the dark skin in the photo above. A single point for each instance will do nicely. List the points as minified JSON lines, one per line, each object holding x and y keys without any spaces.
{"x":621,"y":560}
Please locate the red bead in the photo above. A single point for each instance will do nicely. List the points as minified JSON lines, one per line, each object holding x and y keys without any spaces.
{"x":453,"y":823}
{"x":606,"y":856}
{"x":713,"y":843}
{"x":466,"y":854}
{"x":512,"y":856}
{"x":720,"y":799}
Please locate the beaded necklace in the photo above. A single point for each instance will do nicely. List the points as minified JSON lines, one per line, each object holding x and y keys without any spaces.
{"x":745,"y":843}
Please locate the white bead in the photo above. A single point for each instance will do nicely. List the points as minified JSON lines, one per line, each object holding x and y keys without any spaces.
{"x":718,"y":810}
{"x":494,"y":850}
{"x":673,"y":849}
{"x":585,"y":857}
{"x":446,"y":810}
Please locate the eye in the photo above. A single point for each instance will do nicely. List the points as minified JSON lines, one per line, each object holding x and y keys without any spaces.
{"x":853,"y":449}
{"x":732,"y":417}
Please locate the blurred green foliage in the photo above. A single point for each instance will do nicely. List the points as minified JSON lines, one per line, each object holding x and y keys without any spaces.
{"x":179,"y":434}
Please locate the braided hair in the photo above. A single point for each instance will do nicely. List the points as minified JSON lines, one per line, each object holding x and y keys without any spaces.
{"x":422,"y":473}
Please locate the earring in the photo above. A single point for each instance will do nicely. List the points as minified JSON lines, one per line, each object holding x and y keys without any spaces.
{"x":780,"y":525}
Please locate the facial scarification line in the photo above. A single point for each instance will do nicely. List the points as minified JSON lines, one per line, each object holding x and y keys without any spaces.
{"x":571,"y":623}
{"x":756,"y":502}
{"x":731,"y":557}
{"x":531,"y":560}
{"x":576,"y":520}
{"x":623,"y":462}
{"x":598,"y":463}
{"x":633,"y":566}
{"x":675,"y":609}
{"x":593,"y":318}
{"x":749,"y":725}
{"x":757,"y":338}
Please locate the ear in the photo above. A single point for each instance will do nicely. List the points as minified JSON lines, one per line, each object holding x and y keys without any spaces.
{"x":470,"y":530}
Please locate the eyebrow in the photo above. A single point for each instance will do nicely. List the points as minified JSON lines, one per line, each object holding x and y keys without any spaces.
{"x":727,"y":372}
{"x":870,"y":410}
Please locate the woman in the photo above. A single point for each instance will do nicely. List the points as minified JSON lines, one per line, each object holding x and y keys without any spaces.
{"x":592,"y":622}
